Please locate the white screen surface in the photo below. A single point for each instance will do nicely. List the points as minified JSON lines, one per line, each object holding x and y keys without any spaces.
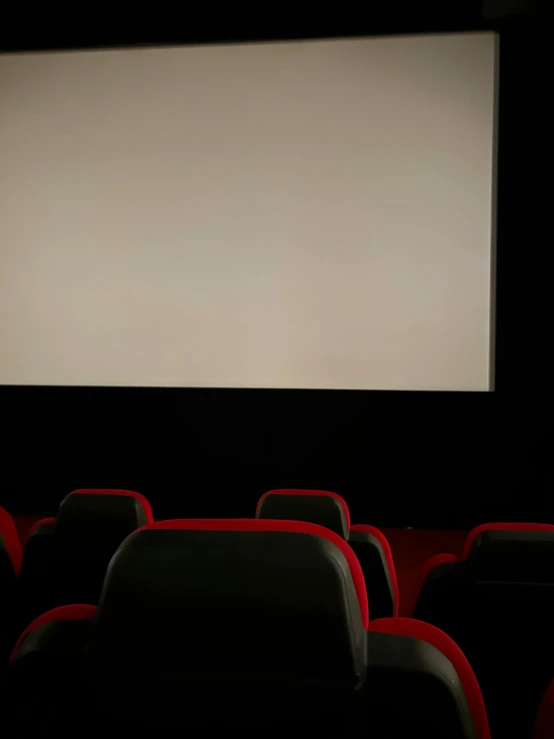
{"x":309,"y":215}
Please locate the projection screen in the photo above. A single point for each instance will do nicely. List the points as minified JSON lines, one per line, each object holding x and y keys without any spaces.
{"x":313,"y":214}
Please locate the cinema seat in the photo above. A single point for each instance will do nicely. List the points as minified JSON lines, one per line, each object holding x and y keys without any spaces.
{"x":10,"y":564}
{"x":544,"y":723}
{"x":256,"y":625}
{"x":369,"y":544}
{"x":66,"y":557}
{"x":497,"y":603}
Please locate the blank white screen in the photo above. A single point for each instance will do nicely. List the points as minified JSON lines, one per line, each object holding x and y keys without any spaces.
{"x":309,"y":214}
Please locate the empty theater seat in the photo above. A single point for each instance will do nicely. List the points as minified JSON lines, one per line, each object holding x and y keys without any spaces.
{"x":253,"y":624}
{"x":66,"y":557}
{"x":10,"y":564}
{"x":497,"y":603}
{"x":544,"y":723}
{"x":369,"y":544}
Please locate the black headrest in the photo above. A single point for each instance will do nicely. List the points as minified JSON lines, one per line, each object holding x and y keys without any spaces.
{"x":88,"y":515}
{"x":269,"y":602}
{"x":513,"y":556}
{"x":324,"y":510}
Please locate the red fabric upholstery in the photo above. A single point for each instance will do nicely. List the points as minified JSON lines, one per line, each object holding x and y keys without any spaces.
{"x":364,"y":528}
{"x":436,"y":560}
{"x":544,"y":726}
{"x":294,"y":527}
{"x":442,"y":642}
{"x":38,"y":524}
{"x":62,"y":613}
{"x":295,"y":491}
{"x":11,"y":539}
{"x":439,"y":559}
{"x":131,"y":493}
{"x":474,"y":533}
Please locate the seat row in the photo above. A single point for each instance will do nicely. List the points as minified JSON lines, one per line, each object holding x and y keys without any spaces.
{"x":260,"y":625}
{"x":66,"y":557}
{"x":472,"y":600}
{"x":496,"y":601}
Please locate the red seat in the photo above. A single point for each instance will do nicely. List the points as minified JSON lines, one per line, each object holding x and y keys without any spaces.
{"x":497,"y":603}
{"x":10,"y":563}
{"x":242,"y":624}
{"x":368,"y":543}
{"x":66,"y":557}
{"x":430,"y":634}
{"x":544,"y":724}
{"x":9,"y":541}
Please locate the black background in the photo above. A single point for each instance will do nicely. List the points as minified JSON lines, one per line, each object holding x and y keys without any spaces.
{"x":400,"y":458}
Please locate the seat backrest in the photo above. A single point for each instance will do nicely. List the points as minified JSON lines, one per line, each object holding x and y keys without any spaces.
{"x":315,"y":506}
{"x":244,"y":622}
{"x":248,"y":578}
{"x":10,"y":546}
{"x":420,"y":683}
{"x":497,"y":603}
{"x":10,"y":563}
{"x":257,"y":625}
{"x":375,"y":556}
{"x":368,"y":543}
{"x":544,"y":722}
{"x":65,"y":558}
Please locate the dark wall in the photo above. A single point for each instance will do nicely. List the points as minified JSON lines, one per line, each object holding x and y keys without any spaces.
{"x":400,"y":458}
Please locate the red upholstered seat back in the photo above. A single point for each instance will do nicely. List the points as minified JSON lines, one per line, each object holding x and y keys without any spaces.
{"x":298,"y":527}
{"x":497,"y":602}
{"x":66,"y":557}
{"x":368,"y":543}
{"x":544,"y":724}
{"x":445,"y":645}
{"x":10,"y":538}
